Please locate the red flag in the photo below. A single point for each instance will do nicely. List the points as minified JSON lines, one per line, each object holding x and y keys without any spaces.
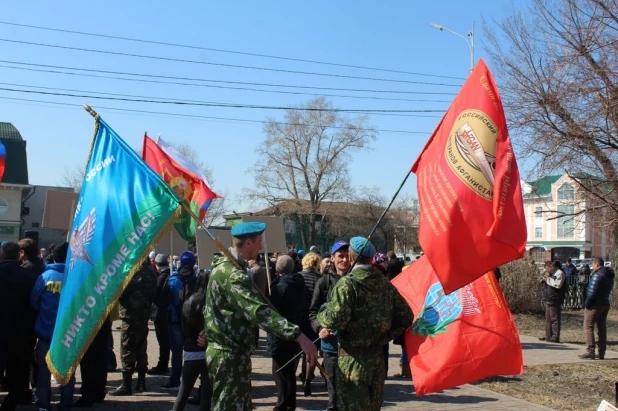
{"x":472,"y":216}
{"x":457,"y":338}
{"x":184,"y":177}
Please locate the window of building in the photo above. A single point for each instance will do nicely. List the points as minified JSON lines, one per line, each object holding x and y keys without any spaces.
{"x":538,"y":232}
{"x":566,"y":192}
{"x":538,"y":214}
{"x":4,"y":206}
{"x":289,"y":226}
{"x":566,"y":221}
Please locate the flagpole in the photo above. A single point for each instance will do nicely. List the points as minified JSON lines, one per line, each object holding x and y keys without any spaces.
{"x":229,"y":255}
{"x":375,"y":227}
{"x":266,"y":260}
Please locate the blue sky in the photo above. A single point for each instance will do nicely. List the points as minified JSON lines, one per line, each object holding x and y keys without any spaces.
{"x":392,"y":35}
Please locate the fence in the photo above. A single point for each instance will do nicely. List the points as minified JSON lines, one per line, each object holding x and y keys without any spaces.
{"x":575,"y":293}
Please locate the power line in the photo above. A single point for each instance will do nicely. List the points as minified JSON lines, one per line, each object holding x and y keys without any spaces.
{"x":151,"y":100}
{"x":161,"y":43}
{"x":227,"y":87}
{"x":201,"y":117}
{"x":144,"y":56}
{"x":226,"y":81}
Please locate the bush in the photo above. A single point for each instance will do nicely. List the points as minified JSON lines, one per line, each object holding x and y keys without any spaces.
{"x":521,"y":286}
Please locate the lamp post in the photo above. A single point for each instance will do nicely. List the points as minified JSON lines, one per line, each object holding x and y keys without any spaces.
{"x":469,"y":43}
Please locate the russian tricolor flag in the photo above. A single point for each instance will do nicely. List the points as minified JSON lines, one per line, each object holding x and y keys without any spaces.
{"x":2,"y":160}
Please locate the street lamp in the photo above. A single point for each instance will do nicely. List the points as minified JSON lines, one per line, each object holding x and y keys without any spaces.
{"x":468,"y":34}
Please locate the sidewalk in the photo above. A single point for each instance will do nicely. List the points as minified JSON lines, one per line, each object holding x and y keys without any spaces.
{"x":399,"y":393}
{"x":540,"y":352}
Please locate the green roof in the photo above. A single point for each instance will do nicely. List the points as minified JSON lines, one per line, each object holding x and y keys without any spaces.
{"x":9,"y":132}
{"x":542,"y":186}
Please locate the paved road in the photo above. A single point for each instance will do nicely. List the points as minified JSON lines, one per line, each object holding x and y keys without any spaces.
{"x":399,"y":393}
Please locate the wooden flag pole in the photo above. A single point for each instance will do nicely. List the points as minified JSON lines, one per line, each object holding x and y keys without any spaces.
{"x":229,"y":255}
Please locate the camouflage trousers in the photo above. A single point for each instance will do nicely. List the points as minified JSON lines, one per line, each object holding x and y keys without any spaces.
{"x":230,"y":376}
{"x":360,"y":382}
{"x":133,"y":344}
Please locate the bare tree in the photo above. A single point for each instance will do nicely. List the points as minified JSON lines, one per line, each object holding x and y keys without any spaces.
{"x":557,"y":64}
{"x":74,"y":177}
{"x":305,"y":158}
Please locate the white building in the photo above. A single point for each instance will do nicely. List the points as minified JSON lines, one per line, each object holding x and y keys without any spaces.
{"x":567,"y":236}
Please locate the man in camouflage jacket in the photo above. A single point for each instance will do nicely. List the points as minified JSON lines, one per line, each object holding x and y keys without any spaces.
{"x":368,"y":312}
{"x":233,"y":310}
{"x":135,"y":308}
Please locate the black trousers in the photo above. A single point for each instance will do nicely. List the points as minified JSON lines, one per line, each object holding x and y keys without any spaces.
{"x":331,"y":366}
{"x":163,"y":339}
{"x":285,"y":382}
{"x":190,"y":371}
{"x":14,"y":359}
{"x":94,"y":366}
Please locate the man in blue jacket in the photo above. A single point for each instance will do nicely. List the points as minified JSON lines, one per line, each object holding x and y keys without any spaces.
{"x":597,"y":307}
{"x":45,"y":298}
{"x":180,"y":285}
{"x":340,"y":264}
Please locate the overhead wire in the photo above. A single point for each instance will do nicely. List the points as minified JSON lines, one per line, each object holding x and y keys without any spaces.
{"x":227,"y":87}
{"x":161,"y":100}
{"x":193,"y":47}
{"x":227,"y":81}
{"x":200,"y":116}
{"x":178,"y":60}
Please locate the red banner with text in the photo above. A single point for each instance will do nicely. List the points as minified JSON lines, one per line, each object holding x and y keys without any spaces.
{"x":472,"y":217}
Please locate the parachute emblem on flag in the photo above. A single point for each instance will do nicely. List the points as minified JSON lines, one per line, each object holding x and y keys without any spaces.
{"x":81,"y":238}
{"x":471,"y":151}
{"x":440,"y":310}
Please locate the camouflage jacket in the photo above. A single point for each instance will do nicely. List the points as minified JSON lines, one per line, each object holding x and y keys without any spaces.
{"x":365,"y":309}
{"x":136,"y":300}
{"x":233,"y":310}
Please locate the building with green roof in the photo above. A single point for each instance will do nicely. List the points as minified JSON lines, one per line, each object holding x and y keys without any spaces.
{"x":557,"y":227}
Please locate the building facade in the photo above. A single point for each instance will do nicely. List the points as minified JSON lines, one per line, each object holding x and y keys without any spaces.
{"x":558,"y":227}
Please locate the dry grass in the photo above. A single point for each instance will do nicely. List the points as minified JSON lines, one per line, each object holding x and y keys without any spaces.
{"x":572,"y":330}
{"x":568,"y":387}
{"x":565,"y":387}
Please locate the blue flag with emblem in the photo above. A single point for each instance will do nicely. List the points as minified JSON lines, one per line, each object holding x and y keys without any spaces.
{"x":122,"y":209}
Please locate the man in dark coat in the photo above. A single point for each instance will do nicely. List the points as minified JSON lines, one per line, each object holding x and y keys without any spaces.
{"x":395,"y":265}
{"x":159,"y":314}
{"x":16,"y":325}
{"x":287,"y":297}
{"x":597,"y":307}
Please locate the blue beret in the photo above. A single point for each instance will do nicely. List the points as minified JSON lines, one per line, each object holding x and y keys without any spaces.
{"x":357,"y":244}
{"x":248,"y":229}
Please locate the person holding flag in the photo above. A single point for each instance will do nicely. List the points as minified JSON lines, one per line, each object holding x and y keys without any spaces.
{"x":368,"y":312}
{"x":233,"y":308}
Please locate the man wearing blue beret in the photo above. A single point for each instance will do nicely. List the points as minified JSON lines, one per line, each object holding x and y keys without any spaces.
{"x":367,"y":311}
{"x":233,"y":310}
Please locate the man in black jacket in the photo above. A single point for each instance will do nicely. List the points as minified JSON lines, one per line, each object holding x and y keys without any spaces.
{"x":553,"y":296}
{"x":597,"y":307}
{"x":159,"y":315}
{"x":287,"y":297}
{"x":395,"y":265}
{"x":16,"y":326}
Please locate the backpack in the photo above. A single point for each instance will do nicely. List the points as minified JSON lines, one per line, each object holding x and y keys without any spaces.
{"x":178,"y":299}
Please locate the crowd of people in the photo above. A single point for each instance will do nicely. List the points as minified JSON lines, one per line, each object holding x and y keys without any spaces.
{"x":206,"y":323}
